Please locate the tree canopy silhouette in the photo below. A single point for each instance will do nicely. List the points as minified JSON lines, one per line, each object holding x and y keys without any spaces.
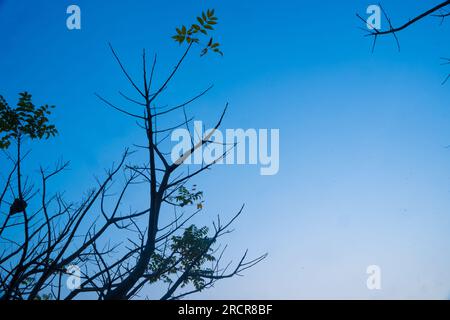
{"x":106,"y":245}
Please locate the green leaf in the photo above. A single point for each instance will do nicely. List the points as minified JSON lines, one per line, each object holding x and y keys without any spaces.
{"x":24,"y":120}
{"x":205,"y":23}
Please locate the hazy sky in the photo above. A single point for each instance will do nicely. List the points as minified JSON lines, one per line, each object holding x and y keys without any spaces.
{"x":364,"y":170}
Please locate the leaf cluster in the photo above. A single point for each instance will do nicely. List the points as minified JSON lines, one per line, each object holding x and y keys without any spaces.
{"x":191,"y":251}
{"x":24,"y":120}
{"x":188,"y":197}
{"x":205,"y":23}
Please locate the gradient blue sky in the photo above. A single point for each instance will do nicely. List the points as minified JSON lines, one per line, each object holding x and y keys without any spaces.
{"x":364,"y":173}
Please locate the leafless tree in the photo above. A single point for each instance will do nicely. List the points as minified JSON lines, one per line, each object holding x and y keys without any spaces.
{"x":440,"y":11}
{"x":121,"y":249}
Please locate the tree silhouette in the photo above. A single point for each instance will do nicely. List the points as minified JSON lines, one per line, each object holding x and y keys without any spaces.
{"x":441,"y":11}
{"x":16,"y":125}
{"x":117,"y":246}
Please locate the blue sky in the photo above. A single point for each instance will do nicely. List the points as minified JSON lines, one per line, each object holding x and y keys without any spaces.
{"x":364,"y":173}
